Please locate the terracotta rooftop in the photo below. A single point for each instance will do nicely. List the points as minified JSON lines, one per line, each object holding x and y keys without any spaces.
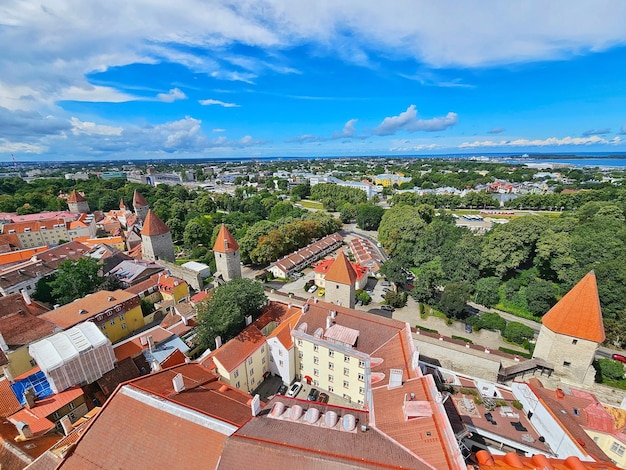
{"x":20,"y":255}
{"x":578,"y":313}
{"x":87,"y":308}
{"x":153,"y":225}
{"x":139,"y":200}
{"x":20,"y":322}
{"x":75,"y":196}
{"x":225,"y":242}
{"x":281,"y":442}
{"x":324,"y":265}
{"x":342,"y":271}
{"x":238,"y":349}
{"x":9,"y":403}
{"x":283,"y":331}
{"x":513,"y":461}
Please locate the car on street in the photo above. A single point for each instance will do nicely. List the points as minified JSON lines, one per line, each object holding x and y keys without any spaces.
{"x":321,"y":293}
{"x":294,"y":389}
{"x":323,"y":398}
{"x":313,"y":394}
{"x":468,"y":328}
{"x":388,"y":308}
{"x":619,"y":357}
{"x":312,"y":289}
{"x":282,"y":389}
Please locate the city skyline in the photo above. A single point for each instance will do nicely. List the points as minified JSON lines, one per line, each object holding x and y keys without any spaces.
{"x":126,"y":80}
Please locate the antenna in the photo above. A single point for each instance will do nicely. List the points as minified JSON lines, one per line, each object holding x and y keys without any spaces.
{"x":14,"y":161}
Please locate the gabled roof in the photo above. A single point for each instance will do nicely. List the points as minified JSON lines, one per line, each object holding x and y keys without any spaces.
{"x":20,"y":322}
{"x":75,"y":196}
{"x":341,"y":271}
{"x":138,"y":200}
{"x":153,"y":225}
{"x":513,"y":461}
{"x":578,"y":313}
{"x":9,"y":403}
{"x":225,"y":242}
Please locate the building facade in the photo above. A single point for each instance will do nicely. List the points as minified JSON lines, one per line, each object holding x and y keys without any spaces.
{"x":226,"y":250}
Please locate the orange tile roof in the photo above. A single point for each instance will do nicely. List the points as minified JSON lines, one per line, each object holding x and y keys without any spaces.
{"x":283,"y":331}
{"x":75,"y":196}
{"x":20,"y":255}
{"x":341,"y":271}
{"x":153,"y":225}
{"x":90,"y":306}
{"x":225,"y":242}
{"x":578,"y":313}
{"x":513,"y":461}
{"x":33,"y":225}
{"x":324,"y":265}
{"x":37,"y":425}
{"x":238,"y":349}
{"x":138,"y":200}
{"x":46,"y":406}
{"x":8,"y":401}
{"x":174,"y":359}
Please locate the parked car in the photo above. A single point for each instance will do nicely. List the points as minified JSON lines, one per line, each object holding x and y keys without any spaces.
{"x":386,"y":289}
{"x":388,"y":308}
{"x":282,"y":389}
{"x":321,"y":293}
{"x":312,"y":289}
{"x":468,"y":328}
{"x":323,"y":398}
{"x":294,"y":389}
{"x":313,"y":394}
{"x":619,"y":357}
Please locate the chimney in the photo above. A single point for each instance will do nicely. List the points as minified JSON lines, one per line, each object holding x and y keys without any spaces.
{"x":329,"y":322}
{"x":24,"y":430}
{"x":218,"y":342}
{"x":256,"y":405}
{"x":248,"y":320}
{"x":66,"y":424}
{"x":3,"y":344}
{"x":29,"y":397}
{"x":150,"y":343}
{"x":333,"y":313}
{"x":178,"y":383}
{"x":143,"y":340}
{"x":26,"y":296}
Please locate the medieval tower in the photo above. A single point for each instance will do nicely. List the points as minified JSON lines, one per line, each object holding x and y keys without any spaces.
{"x":140,"y":205}
{"x":156,"y":239}
{"x":340,"y":282}
{"x":226,"y":251}
{"x":77,"y":203}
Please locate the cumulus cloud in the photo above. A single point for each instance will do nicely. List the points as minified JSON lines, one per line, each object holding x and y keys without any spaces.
{"x":602,"y":131}
{"x":22,"y":123}
{"x":408,"y":121}
{"x":171,"y":96}
{"x":10,"y":147}
{"x":414,"y":148}
{"x":348,"y":131}
{"x":496,"y":130}
{"x":217,"y":129}
{"x":551,"y":141}
{"x":211,"y":102}
{"x":91,"y":128}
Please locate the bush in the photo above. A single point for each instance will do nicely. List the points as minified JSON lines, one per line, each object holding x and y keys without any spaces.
{"x":517,"y":332}
{"x":490,"y":321}
{"x":396,"y":299}
{"x":517,"y":405}
{"x":515,"y":353}
{"x":608,"y":369}
{"x":363,"y":296}
{"x":426,"y":330}
{"x":462,"y":339}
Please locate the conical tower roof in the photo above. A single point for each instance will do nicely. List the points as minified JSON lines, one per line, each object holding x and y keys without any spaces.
{"x":225,"y":242}
{"x":138,"y":200}
{"x":578,"y":313}
{"x":153,"y":225}
{"x":341,"y":271}
{"x":75,"y":196}
{"x":122,"y":205}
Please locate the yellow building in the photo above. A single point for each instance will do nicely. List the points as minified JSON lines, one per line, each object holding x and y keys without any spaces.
{"x":390,"y":180}
{"x":117,"y":314}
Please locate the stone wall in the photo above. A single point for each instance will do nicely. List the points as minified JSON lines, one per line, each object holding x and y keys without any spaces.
{"x":228,"y":265}
{"x":340,"y":294}
{"x":191,"y":277}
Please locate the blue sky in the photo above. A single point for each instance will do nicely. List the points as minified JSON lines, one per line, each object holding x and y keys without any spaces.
{"x":128,"y":79}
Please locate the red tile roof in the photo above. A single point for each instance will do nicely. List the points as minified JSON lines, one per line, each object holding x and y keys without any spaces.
{"x":46,"y":406}
{"x":324,"y":265}
{"x":138,"y":200}
{"x":20,"y":323}
{"x":512,"y":461}
{"x":37,"y":425}
{"x":8,"y":401}
{"x":342,"y":271}
{"x":238,"y":349}
{"x":578,"y":313}
{"x":153,"y":225}
{"x":225,"y":242}
{"x":75,"y":196}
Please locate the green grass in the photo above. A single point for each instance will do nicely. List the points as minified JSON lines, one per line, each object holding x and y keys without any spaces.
{"x":311,"y":204}
{"x":427,"y":330}
{"x":621,"y":384}
{"x":463,"y":339}
{"x":510,"y":307}
{"x":515,"y":352}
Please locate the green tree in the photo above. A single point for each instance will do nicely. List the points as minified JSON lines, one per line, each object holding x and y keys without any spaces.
{"x":518,"y":332}
{"x":43,"y":290}
{"x":363,"y":296}
{"x":395,"y":299}
{"x":368,"y":216}
{"x":347,"y":213}
{"x":454,"y":299}
{"x":224,"y":312}
{"x":540,"y":296}
{"x":489,"y":321}
{"x":487,"y":291}
{"x":610,"y":369}
{"x":75,"y":279}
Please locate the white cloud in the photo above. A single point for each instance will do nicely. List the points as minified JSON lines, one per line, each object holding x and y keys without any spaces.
{"x":414,"y":148}
{"x":408,"y":121}
{"x":551,"y":141}
{"x":171,"y":96}
{"x":91,"y":128}
{"x":348,"y":128}
{"x":211,"y":102}
{"x":10,"y":147}
{"x":217,"y":129}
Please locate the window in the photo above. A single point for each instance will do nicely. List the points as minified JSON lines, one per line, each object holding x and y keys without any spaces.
{"x":121,"y":317}
{"x":566,"y":363}
{"x":346,"y":358}
{"x":346,"y":371}
{"x":123,"y":326}
{"x":316,"y":360}
{"x":346,"y":384}
{"x":347,"y":398}
{"x":316,"y":372}
{"x":237,"y":385}
{"x":250,"y":361}
{"x":331,"y":366}
{"x":112,"y":322}
{"x":574,"y":341}
{"x":251,"y":371}
{"x":301,"y":366}
{"x":618,"y":449}
{"x":280,"y":352}
{"x":300,"y":354}
{"x":271,"y":359}
{"x":331,"y":378}
{"x":361,"y":363}
{"x":299,"y":342}
{"x":361,"y":377}
{"x":280,"y":363}
{"x":316,"y":347}
{"x":316,"y":383}
{"x":331,"y":353}
{"x":252,"y":381}
{"x":331,"y":389}
{"x":262,"y":349}
{"x":361,"y":390}
{"x":361,"y":402}
{"x":236,"y":374}
{"x":262,"y":360}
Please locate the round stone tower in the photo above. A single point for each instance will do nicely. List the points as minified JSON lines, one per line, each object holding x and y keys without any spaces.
{"x":226,"y":251}
{"x":156,"y":239}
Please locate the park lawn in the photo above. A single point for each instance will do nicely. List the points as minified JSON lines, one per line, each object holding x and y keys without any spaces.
{"x":311,"y":204}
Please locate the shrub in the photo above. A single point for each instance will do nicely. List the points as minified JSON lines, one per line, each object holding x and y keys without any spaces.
{"x":609,"y":369}
{"x":517,"y":405}
{"x":517,"y":332}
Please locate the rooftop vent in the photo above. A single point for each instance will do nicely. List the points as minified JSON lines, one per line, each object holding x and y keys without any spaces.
{"x":277,"y":410}
{"x":348,"y":423}
{"x":295,"y":413}
{"x":330,"y":419}
{"x":178,"y":383}
{"x":319,"y":333}
{"x":82,"y":311}
{"x":110,"y":298}
{"x":303,"y":327}
{"x":312,"y":415}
